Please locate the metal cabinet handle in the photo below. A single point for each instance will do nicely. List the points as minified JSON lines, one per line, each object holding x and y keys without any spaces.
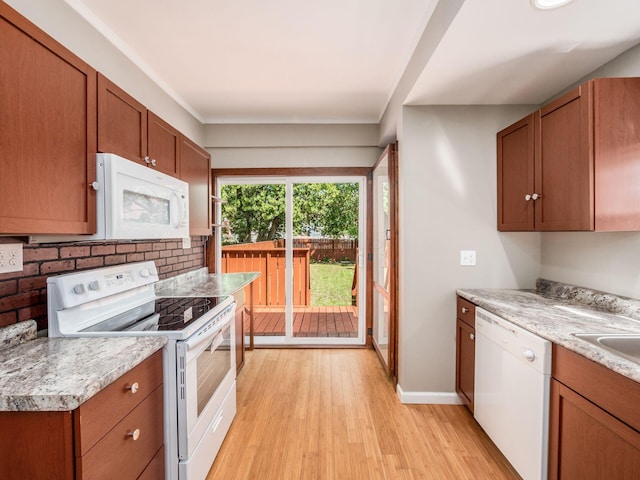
{"x":134,"y":387}
{"x":147,"y":160}
{"x":535,"y":196}
{"x":153,"y":162}
{"x":527,"y":197}
{"x":472,"y":336}
{"x":465,"y":310}
{"x":135,"y":435}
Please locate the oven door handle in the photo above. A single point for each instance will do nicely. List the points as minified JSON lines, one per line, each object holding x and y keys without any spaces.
{"x":193,"y":346}
{"x":217,"y":341}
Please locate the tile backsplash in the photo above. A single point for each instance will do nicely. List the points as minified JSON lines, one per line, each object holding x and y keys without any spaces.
{"x":23,"y":295}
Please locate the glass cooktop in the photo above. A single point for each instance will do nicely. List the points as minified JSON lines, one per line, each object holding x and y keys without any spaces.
{"x":162,"y":314}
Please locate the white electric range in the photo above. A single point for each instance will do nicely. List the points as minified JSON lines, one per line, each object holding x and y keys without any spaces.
{"x":198,"y":359}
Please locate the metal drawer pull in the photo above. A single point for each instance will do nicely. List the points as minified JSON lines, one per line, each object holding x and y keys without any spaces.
{"x":135,"y":435}
{"x":134,"y":387}
{"x":472,"y":336}
{"x":465,"y":310}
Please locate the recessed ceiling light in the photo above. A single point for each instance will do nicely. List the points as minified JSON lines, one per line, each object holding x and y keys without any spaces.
{"x":548,"y":4}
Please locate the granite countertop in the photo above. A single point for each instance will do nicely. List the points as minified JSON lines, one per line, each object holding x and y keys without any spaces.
{"x":556,"y":311}
{"x":58,"y":374}
{"x":202,"y":284}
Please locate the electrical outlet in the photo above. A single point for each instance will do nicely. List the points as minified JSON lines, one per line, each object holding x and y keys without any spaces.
{"x":467,"y":258}
{"x":186,"y":243}
{"x":10,"y":257}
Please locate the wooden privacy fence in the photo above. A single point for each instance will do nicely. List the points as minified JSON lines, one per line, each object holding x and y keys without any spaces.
{"x":269,"y":260}
{"x":323,"y":249}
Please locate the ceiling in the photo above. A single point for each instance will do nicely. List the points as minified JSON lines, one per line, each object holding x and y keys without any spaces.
{"x":340,"y":61}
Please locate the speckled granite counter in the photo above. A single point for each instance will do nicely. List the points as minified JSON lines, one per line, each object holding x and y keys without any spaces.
{"x":58,"y":374}
{"x":556,"y":311}
{"x":202,"y":284}
{"x":17,"y":334}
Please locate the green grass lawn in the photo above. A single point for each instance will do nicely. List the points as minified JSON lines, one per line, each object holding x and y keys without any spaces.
{"x":331,"y":284}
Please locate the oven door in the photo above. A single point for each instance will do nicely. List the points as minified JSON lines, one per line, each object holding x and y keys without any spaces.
{"x":206,"y":372}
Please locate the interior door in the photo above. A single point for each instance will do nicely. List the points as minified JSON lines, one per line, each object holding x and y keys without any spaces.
{"x":385,"y":259}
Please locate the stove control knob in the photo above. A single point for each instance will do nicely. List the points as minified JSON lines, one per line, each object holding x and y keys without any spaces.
{"x":94,"y":285}
{"x":79,"y":289}
{"x":144,"y":273}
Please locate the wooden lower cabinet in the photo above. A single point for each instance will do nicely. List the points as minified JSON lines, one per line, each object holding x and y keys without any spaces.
{"x":465,"y":362}
{"x":118,"y":433}
{"x":465,"y":351}
{"x":594,"y":421}
{"x":240,"y":312}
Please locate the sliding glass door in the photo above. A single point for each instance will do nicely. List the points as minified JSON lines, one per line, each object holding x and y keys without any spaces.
{"x":303,"y":235}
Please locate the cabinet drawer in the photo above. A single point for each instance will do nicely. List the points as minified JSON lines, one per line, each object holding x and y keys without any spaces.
{"x":155,"y":469}
{"x":121,"y":455}
{"x":466,"y":311}
{"x":618,"y":395}
{"x":94,"y":418}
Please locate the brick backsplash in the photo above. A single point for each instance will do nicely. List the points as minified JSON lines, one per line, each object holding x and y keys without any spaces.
{"x":23,"y":295}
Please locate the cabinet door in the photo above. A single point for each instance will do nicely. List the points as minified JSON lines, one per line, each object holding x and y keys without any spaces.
{"x":48,"y":133}
{"x":163,"y":145}
{"x":465,"y":362}
{"x":195,"y":169}
{"x":36,"y":446}
{"x":616,"y":103}
{"x":564,"y":162}
{"x":122,"y":122}
{"x":515,"y":176}
{"x":239,"y":338}
{"x":588,"y":443}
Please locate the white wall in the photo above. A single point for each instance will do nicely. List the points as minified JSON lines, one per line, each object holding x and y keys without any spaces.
{"x":291,"y":146}
{"x":604,"y":261}
{"x":62,"y":23}
{"x":447,"y":203}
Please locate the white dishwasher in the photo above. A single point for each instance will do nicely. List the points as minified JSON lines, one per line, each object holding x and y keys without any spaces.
{"x":511,"y":402}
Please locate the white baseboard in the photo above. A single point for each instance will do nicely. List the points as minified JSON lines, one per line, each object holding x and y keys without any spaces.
{"x":428,"y":398}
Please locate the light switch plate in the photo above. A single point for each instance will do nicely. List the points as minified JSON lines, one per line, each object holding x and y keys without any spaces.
{"x":10,"y":257}
{"x":186,"y":243}
{"x":467,"y":258}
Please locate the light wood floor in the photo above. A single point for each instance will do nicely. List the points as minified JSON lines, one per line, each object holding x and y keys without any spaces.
{"x":332,"y":414}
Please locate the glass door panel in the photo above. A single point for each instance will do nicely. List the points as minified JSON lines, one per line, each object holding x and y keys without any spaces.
{"x":385,"y":254}
{"x":253,"y":218}
{"x":325,"y":255}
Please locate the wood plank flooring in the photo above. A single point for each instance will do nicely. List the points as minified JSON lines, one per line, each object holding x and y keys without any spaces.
{"x":307,"y":321}
{"x":332,"y":414}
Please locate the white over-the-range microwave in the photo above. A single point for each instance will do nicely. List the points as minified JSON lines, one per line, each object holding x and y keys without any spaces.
{"x":133,"y":202}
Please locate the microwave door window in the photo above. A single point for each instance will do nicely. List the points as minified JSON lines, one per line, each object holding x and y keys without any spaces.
{"x":145,"y":209}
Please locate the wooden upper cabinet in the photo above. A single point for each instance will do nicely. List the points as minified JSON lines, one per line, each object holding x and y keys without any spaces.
{"x":195,"y":169}
{"x":585,"y":150}
{"x":515,"y":176}
{"x":122,"y":122}
{"x":564,"y":162}
{"x":616,"y":143}
{"x":47,"y":133}
{"x":163,"y":145}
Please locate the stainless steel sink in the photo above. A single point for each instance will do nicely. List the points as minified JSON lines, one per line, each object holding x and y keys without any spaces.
{"x":626,"y":345}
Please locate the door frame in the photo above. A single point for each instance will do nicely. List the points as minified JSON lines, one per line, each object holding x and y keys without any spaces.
{"x":213,"y":253}
{"x":390,"y":152}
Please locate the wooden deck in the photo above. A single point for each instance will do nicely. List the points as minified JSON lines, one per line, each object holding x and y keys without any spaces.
{"x":307,"y":321}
